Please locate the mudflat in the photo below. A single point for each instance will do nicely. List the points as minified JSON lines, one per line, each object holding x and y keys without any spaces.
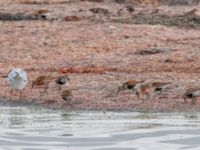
{"x":100,"y":45}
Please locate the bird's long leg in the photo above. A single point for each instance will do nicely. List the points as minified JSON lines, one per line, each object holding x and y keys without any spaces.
{"x":160,"y":92}
{"x":11,"y":93}
{"x":147,"y":96}
{"x":20,"y":97}
{"x":69,"y":100}
{"x":185,"y":100}
{"x":46,"y":89}
{"x":32,"y":86}
{"x":137,"y":94}
{"x":193,"y":100}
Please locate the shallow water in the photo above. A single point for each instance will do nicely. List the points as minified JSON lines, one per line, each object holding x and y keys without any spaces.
{"x":37,"y":128}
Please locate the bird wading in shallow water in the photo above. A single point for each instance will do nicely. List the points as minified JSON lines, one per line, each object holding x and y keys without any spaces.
{"x":67,"y":96}
{"x":17,"y":80}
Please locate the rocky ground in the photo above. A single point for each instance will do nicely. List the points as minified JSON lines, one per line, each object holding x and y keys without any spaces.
{"x":102,"y":44}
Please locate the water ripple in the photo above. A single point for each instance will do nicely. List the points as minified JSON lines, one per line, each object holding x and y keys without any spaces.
{"x":36,"y":128}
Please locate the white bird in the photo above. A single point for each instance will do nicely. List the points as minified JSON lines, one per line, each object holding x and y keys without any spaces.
{"x":17,"y":80}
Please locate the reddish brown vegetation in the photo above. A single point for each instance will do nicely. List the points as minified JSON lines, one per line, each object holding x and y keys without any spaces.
{"x":72,"y":18}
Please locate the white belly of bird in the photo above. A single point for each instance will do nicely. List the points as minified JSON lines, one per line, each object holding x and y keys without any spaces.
{"x":196,"y":93}
{"x":18,"y":84}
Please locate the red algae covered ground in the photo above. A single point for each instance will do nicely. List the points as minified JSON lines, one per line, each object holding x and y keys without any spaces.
{"x":100,"y":49}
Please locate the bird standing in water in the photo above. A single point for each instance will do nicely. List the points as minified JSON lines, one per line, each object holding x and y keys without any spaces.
{"x":17,"y":80}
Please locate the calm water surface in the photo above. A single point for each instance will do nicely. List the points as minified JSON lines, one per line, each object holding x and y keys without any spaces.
{"x":37,"y":128}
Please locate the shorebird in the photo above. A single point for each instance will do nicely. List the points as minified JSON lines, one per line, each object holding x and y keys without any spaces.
{"x":191,"y":94}
{"x":147,"y":88}
{"x":17,"y":80}
{"x":42,"y":81}
{"x":130,"y":84}
{"x":67,"y":96}
{"x":62,"y":80}
{"x":143,"y":89}
{"x":130,"y":8}
{"x":160,"y":86}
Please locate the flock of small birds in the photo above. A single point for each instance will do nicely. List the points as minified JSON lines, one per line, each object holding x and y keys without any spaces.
{"x":146,"y":88}
{"x":17,"y":80}
{"x":143,"y":88}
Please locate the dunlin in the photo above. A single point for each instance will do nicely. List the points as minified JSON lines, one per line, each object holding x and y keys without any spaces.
{"x":67,"y":96}
{"x":144,"y":89}
{"x":191,"y":94}
{"x":130,"y":84}
{"x":17,"y":80}
{"x":130,"y":8}
{"x":42,"y":81}
{"x":62,"y":80}
{"x":160,"y":86}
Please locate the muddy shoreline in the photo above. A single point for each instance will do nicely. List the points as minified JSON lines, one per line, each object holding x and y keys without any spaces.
{"x":101,"y":45}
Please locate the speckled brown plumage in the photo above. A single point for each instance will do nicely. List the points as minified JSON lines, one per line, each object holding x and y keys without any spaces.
{"x":130,"y":84}
{"x":66,"y":96}
{"x":192,"y":93}
{"x":42,"y":81}
{"x":62,"y":80}
{"x":159,"y":86}
{"x":144,"y":89}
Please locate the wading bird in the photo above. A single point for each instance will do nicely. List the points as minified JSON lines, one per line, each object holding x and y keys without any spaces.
{"x":129,"y":85}
{"x":42,"y":81}
{"x":62,"y":80}
{"x":160,"y":86}
{"x":144,"y":89}
{"x":193,"y":94}
{"x":17,"y":80}
{"x":149,"y":87}
{"x":67,"y":96}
